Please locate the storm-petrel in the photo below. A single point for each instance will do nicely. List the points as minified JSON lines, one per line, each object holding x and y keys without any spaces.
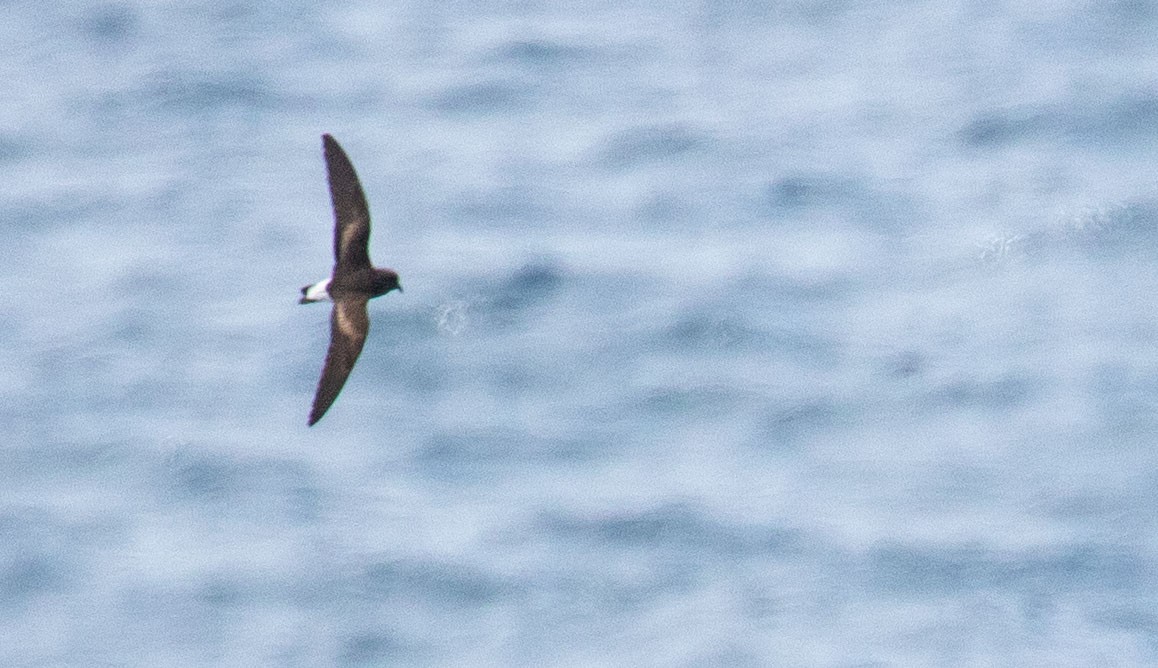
{"x":354,"y":281}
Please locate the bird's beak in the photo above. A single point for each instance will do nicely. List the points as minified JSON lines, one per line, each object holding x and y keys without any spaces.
{"x":400,"y":288}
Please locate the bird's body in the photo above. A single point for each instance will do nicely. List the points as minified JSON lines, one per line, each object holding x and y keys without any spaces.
{"x":354,"y":280}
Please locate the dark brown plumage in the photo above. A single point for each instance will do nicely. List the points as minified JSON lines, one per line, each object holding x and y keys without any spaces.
{"x":354,"y":280}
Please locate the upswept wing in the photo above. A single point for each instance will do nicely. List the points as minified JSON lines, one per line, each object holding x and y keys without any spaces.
{"x":351,"y":213}
{"x":348,"y":327}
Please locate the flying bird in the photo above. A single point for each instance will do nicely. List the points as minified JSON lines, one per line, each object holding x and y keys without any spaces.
{"x":353,"y":282}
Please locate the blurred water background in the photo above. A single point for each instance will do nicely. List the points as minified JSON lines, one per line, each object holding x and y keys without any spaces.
{"x":781,"y":332}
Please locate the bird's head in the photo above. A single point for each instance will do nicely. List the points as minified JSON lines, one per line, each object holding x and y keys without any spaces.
{"x":386,"y":280}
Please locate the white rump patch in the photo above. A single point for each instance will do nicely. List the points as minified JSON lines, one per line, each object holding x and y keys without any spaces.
{"x":318,"y":292}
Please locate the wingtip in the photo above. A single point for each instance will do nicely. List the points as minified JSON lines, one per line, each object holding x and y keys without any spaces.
{"x":332,"y":149}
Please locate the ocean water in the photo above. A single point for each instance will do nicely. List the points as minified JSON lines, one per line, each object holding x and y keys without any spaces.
{"x":786,"y":332}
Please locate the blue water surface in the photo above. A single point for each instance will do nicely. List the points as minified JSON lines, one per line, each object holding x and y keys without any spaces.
{"x":796,"y":332}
